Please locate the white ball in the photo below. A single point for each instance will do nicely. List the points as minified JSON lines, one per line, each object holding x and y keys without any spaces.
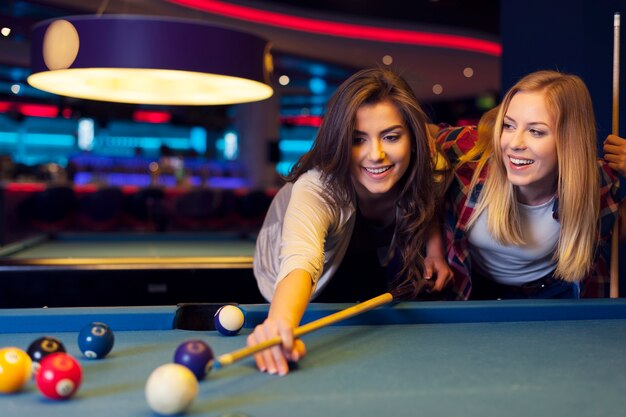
{"x":229,"y":319}
{"x":171,"y":388}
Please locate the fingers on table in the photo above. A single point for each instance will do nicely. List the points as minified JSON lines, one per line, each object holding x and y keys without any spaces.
{"x":272,"y":360}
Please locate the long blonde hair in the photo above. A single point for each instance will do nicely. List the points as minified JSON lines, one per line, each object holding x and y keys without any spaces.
{"x":568,"y":100}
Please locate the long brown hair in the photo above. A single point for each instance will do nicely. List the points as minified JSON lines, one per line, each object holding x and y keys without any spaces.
{"x":331,"y":154}
{"x":569,"y":102}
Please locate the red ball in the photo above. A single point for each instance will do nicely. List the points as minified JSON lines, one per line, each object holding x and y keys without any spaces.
{"x":59,"y":376}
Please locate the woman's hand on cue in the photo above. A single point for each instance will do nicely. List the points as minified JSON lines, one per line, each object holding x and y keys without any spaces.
{"x":615,"y":153}
{"x":274,"y":360}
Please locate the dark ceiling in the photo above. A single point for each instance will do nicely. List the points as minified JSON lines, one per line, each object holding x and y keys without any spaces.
{"x":479,"y":15}
{"x":295,"y":52}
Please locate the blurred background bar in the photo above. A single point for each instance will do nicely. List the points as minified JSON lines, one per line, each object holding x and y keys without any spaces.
{"x":106,"y":203}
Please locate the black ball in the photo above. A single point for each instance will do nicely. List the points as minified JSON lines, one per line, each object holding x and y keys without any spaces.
{"x":43,"y":347}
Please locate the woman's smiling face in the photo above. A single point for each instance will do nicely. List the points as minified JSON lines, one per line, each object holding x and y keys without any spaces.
{"x":528,"y":145}
{"x":381,"y":149}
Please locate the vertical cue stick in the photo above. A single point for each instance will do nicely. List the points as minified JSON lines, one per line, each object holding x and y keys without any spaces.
{"x":614,"y":268}
{"x":386,"y":298}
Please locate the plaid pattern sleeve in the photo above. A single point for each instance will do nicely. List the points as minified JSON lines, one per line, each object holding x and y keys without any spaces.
{"x":456,"y":142}
{"x":596,"y":283}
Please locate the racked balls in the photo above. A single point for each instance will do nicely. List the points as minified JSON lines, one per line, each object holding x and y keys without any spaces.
{"x":95,"y":340}
{"x":228,"y":320}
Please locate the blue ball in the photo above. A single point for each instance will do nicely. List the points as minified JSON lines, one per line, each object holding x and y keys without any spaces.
{"x":195,"y":355}
{"x":228,"y":320}
{"x":96,"y":340}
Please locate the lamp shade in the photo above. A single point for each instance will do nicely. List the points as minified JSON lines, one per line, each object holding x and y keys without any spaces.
{"x":149,"y":60}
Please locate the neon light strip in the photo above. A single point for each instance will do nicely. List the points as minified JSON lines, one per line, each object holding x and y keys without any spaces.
{"x":313,"y":121}
{"x":38,"y":110}
{"x":151,"y":116}
{"x":344,"y":30}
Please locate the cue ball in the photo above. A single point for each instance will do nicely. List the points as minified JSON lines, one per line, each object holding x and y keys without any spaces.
{"x":96,"y":340}
{"x":59,"y":376}
{"x":42,"y":347}
{"x":15,"y":369}
{"x":195,"y":355}
{"x":171,"y":388}
{"x":228,"y":320}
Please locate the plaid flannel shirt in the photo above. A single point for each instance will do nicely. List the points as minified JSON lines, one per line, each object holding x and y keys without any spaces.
{"x":457,"y":141}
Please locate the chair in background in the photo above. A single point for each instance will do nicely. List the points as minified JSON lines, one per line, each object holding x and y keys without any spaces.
{"x":197,"y":209}
{"x":225,"y":217}
{"x":50,"y":210}
{"x":250,"y":208}
{"x":101,"y":210}
{"x":145,"y":210}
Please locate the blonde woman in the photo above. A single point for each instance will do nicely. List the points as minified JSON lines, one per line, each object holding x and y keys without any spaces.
{"x":531,"y":205}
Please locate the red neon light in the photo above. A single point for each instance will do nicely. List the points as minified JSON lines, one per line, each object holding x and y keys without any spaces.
{"x":314,"y":121}
{"x":5,"y":106}
{"x":344,"y":30}
{"x":129,"y":189}
{"x":149,"y":116}
{"x":38,"y":110}
{"x":25,"y":186}
{"x":86,"y":188}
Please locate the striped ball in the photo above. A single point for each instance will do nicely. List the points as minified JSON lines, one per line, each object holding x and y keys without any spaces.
{"x":228,"y":320}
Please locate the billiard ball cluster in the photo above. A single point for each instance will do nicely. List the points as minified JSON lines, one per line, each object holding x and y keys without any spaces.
{"x":170,"y":388}
{"x":57,"y":374}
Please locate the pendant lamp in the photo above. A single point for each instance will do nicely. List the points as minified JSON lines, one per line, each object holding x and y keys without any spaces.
{"x":149,"y":60}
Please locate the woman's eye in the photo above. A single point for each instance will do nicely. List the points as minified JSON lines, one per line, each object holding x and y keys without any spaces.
{"x":537,"y":133}
{"x":357,"y":140}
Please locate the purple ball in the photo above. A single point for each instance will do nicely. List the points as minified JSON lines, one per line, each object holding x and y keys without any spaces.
{"x":195,"y":355}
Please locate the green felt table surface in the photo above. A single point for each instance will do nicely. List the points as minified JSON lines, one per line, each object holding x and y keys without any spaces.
{"x":123,"y":245}
{"x":505,"y":360}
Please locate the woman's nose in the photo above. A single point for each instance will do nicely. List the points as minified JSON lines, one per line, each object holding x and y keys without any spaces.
{"x":517,"y":141}
{"x":376,"y":152}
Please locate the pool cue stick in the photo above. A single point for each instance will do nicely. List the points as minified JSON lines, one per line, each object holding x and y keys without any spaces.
{"x":386,"y":298}
{"x":614,"y":266}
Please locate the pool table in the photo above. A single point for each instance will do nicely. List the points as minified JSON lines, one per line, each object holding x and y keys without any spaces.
{"x":116,"y":269}
{"x":470,"y":358}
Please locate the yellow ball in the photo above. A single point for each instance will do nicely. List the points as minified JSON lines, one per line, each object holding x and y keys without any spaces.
{"x":15,"y":369}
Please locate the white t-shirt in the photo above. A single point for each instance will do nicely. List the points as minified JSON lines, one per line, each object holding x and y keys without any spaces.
{"x":530,"y":261}
{"x":302,"y":230}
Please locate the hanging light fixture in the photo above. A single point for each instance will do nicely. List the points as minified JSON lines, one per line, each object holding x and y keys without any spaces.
{"x":149,"y":60}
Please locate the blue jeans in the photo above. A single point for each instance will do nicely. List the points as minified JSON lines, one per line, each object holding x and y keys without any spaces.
{"x":546,"y":287}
